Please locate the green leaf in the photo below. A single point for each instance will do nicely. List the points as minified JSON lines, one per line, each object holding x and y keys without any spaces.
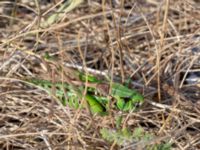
{"x":89,"y":77}
{"x":120,"y":137}
{"x":107,"y":134}
{"x":48,"y":57}
{"x":137,"y":98}
{"x":128,"y":106}
{"x":95,"y":106}
{"x":126,"y":132}
{"x":138,"y":133}
{"x":102,"y":100}
{"x":123,"y":91}
{"x":118,"y":121}
{"x":64,"y":102}
{"x":120,"y":102}
{"x":74,"y":101}
{"x":62,"y":10}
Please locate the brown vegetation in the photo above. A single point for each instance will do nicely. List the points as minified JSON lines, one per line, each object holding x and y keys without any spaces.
{"x":154,"y":42}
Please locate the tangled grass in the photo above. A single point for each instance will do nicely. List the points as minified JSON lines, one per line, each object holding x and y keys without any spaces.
{"x":154,"y":43}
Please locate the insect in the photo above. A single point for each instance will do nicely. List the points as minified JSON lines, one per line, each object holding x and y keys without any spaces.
{"x":125,"y":99}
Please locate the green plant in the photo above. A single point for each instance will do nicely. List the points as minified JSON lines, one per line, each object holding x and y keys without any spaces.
{"x":62,"y":10}
{"x":124,"y":136}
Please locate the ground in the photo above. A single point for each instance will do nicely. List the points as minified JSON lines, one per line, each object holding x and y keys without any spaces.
{"x":155,"y":44}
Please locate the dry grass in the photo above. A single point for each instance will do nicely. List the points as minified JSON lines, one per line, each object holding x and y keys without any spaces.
{"x":156,"y":43}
